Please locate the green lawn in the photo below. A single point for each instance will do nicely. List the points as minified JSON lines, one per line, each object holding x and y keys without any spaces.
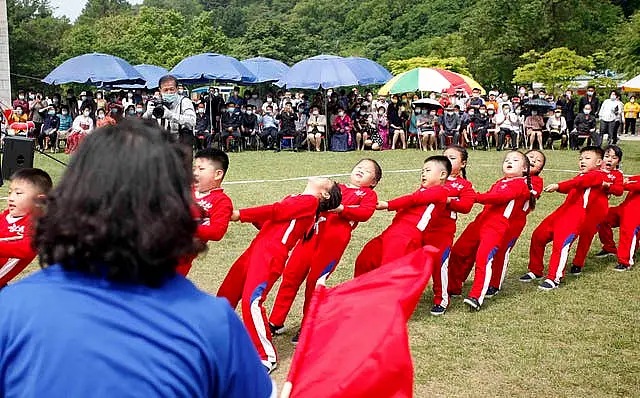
{"x":580,"y":340}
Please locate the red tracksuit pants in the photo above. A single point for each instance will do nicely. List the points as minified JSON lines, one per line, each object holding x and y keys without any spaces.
{"x":391,"y":245}
{"x":561,"y":227}
{"x":250,"y":279}
{"x":606,"y":228}
{"x":501,"y":258}
{"x":314,"y":260}
{"x":442,"y":241}
{"x":597,"y":215}
{"x":478,"y":244}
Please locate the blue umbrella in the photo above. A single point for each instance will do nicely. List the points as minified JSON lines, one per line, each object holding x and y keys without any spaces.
{"x":151,"y":75}
{"x":95,"y":69}
{"x":331,"y":71}
{"x":207,"y":67}
{"x":265,"y":69}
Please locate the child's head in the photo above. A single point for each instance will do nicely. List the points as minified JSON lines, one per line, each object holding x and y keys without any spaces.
{"x":326,"y":190}
{"x":435,"y":171}
{"x":366,"y":173}
{"x":612,"y":158}
{"x":590,"y":158}
{"x":458,"y":156}
{"x":537,"y":160}
{"x":515,"y":164}
{"x":27,"y":189}
{"x":209,"y":169}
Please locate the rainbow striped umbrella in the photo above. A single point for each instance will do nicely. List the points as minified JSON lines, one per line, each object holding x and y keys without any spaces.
{"x":429,"y":79}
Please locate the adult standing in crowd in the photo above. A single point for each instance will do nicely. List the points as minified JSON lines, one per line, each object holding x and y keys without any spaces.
{"x":631,"y":110}
{"x":590,"y":98}
{"x":568,"y":106}
{"x":610,"y":113}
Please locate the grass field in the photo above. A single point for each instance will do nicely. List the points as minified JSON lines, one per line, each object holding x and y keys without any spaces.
{"x":580,"y":340}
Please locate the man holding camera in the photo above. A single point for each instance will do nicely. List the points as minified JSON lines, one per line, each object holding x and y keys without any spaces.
{"x":174,"y":113}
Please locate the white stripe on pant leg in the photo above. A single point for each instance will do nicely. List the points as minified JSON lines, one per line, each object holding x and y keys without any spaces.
{"x":564,"y":255}
{"x":258,"y":323}
{"x":444,"y":281}
{"x":632,"y":250}
{"x":487,"y":280}
{"x":504,"y":266}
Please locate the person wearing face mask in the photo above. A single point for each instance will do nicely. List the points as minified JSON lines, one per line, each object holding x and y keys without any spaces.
{"x":130,"y":111}
{"x":590,"y":98}
{"x":21,"y":102}
{"x":287,"y":120}
{"x":449,"y":127}
{"x":175,"y":114}
{"x":82,"y":126}
{"x":66,"y":121}
{"x":584,"y":127}
{"x":49,"y":131}
{"x":426,"y":121}
{"x":557,"y":128}
{"x":508,"y":124}
{"x":270,"y":102}
{"x":341,"y":139}
{"x":213,"y":109}
{"x":394,"y":117}
{"x":128,"y":101}
{"x":19,"y":123}
{"x":478,"y":124}
{"x":492,"y":101}
{"x":492,"y":129}
{"x":610,"y":113}
{"x":269,"y":128}
{"x":631,"y":110}
{"x":249,"y":127}
{"x":235,"y":97}
{"x":202,"y":130}
{"x":301,"y":126}
{"x":568,"y":105}
{"x":104,"y":118}
{"x":533,"y":126}
{"x":230,"y":126}
{"x":316,"y":128}
{"x":475,"y":101}
{"x":255,"y":101}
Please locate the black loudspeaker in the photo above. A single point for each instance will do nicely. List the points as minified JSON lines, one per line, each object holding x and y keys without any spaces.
{"x":17,"y":154}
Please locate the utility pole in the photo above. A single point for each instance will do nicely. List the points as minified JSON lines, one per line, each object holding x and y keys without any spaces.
{"x":5,"y":78}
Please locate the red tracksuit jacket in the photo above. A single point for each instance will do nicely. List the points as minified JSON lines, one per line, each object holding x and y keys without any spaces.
{"x":415,"y":211}
{"x":217,"y":207}
{"x":15,"y":255}
{"x":582,"y":189}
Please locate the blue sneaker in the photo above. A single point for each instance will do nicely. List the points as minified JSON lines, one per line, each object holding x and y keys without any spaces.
{"x":438,"y":310}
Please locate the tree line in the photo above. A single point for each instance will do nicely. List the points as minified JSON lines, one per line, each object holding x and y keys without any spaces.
{"x":499,"y":42}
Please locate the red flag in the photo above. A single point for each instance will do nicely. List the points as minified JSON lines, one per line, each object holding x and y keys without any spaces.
{"x":354,"y":341}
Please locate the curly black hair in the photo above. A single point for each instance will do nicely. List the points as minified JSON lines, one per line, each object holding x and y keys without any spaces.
{"x":122,"y":209}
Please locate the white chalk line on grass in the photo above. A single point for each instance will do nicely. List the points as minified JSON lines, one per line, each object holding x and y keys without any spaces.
{"x":347,"y":174}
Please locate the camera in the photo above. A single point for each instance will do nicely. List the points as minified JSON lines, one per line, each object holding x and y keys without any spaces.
{"x":158,"y":108}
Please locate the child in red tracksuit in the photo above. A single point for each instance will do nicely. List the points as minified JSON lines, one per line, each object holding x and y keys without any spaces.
{"x":27,"y":191}
{"x":442,"y":229}
{"x":500,"y":263}
{"x":627,"y":217}
{"x":598,"y":208}
{"x":414,"y":214}
{"x":480,"y":240}
{"x":210,"y":167}
{"x":316,"y":258}
{"x":563,"y":225}
{"x":281,"y":225}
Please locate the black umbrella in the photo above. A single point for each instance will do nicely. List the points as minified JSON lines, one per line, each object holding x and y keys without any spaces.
{"x":538,"y":103}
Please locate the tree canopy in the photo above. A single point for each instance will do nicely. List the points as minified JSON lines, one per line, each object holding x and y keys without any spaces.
{"x":484,"y":38}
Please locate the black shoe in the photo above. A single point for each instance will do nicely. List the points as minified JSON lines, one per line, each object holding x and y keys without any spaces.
{"x":603,"y":253}
{"x":276,"y":330}
{"x":437,"y":310}
{"x":529,"y":276}
{"x":296,"y":337}
{"x":621,"y":268}
{"x":575,"y":270}
{"x":548,"y":285}
{"x":472,"y":303}
{"x":491,"y":291}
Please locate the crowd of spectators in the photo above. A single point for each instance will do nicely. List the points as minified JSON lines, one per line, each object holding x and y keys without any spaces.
{"x":337,"y":120}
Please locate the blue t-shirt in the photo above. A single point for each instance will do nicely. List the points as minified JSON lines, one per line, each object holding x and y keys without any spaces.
{"x":65,"y":334}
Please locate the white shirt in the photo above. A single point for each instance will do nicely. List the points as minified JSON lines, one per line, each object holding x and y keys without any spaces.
{"x":610,"y":110}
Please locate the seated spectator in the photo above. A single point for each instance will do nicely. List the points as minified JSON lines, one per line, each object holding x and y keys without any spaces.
{"x":478,"y":126}
{"x":316,"y":127}
{"x":396,"y":123}
{"x":557,"y":128}
{"x":287,"y":120}
{"x":492,"y":101}
{"x":301,"y":126}
{"x":341,"y":139}
{"x":18,"y":115}
{"x":66,"y":122}
{"x":82,"y":126}
{"x":363,"y":127}
{"x":584,"y":125}
{"x":271,"y":103}
{"x":492,"y":128}
{"x":269,"y":134}
{"x":139,"y":110}
{"x":104,"y":119}
{"x":444,"y":99}
{"x":108,"y":300}
{"x":426,"y":123}
{"x":101,"y":102}
{"x":508,"y":124}
{"x":19,"y":123}
{"x":202,"y":129}
{"x":230,"y":125}
{"x":130,"y":111}
{"x":380,"y":138}
{"x":49,"y":130}
{"x":533,"y":126}
{"x":250,"y":125}
{"x":449,"y":127}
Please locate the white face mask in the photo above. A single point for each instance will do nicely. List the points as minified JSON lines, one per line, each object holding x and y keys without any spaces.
{"x":340,"y":113}
{"x":613,"y":98}
{"x":87,"y":113}
{"x":269,"y":99}
{"x":200,"y":110}
{"x":587,"y":111}
{"x":249,"y":112}
{"x":316,"y":113}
